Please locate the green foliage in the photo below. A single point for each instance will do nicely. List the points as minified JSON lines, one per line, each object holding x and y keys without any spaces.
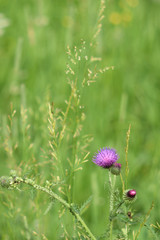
{"x":48,"y":139}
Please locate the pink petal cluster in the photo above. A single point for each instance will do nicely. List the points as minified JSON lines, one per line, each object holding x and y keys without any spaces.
{"x":106,"y":157}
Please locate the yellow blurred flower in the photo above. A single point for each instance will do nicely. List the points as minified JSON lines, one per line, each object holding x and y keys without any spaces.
{"x":115,"y":18}
{"x":118,"y":18}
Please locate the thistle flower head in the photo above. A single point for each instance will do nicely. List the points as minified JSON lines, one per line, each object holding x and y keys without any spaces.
{"x":106,"y":157}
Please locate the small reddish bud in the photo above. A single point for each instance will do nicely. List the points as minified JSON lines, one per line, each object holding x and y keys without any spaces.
{"x":116,"y":168}
{"x":129,"y":195}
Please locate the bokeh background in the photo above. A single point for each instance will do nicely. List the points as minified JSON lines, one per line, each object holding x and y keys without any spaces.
{"x":34,"y":35}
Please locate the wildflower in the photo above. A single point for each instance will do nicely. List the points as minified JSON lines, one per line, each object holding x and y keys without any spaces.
{"x":116,"y":168}
{"x":129,"y":195}
{"x":106,"y":157}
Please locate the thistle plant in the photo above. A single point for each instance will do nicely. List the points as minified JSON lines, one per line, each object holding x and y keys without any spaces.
{"x":107,"y":158}
{"x":119,"y":207}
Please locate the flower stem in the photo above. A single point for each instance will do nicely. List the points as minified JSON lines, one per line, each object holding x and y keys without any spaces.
{"x":111,"y":184}
{"x":17,"y":180}
{"x":116,"y":209}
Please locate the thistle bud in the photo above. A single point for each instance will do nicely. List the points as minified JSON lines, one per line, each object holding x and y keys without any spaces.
{"x":116,"y":168}
{"x":129,"y":195}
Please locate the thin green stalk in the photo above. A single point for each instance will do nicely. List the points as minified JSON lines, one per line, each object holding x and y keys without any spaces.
{"x":126,"y":231}
{"x":17,"y":180}
{"x":111,"y":184}
{"x":126,"y":151}
{"x":65,"y":117}
{"x":61,"y":135}
{"x":144,"y":221}
{"x":116,"y":209}
{"x":74,"y":152}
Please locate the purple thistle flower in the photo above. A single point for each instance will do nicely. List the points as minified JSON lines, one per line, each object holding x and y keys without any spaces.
{"x":106,"y":157}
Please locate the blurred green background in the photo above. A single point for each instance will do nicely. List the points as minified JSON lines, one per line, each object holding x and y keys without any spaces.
{"x":34,"y":35}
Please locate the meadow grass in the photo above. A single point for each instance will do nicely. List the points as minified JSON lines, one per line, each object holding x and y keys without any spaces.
{"x":34,"y":40}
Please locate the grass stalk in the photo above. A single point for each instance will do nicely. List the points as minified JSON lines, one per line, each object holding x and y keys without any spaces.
{"x":30,"y":182}
{"x":126,"y":151}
